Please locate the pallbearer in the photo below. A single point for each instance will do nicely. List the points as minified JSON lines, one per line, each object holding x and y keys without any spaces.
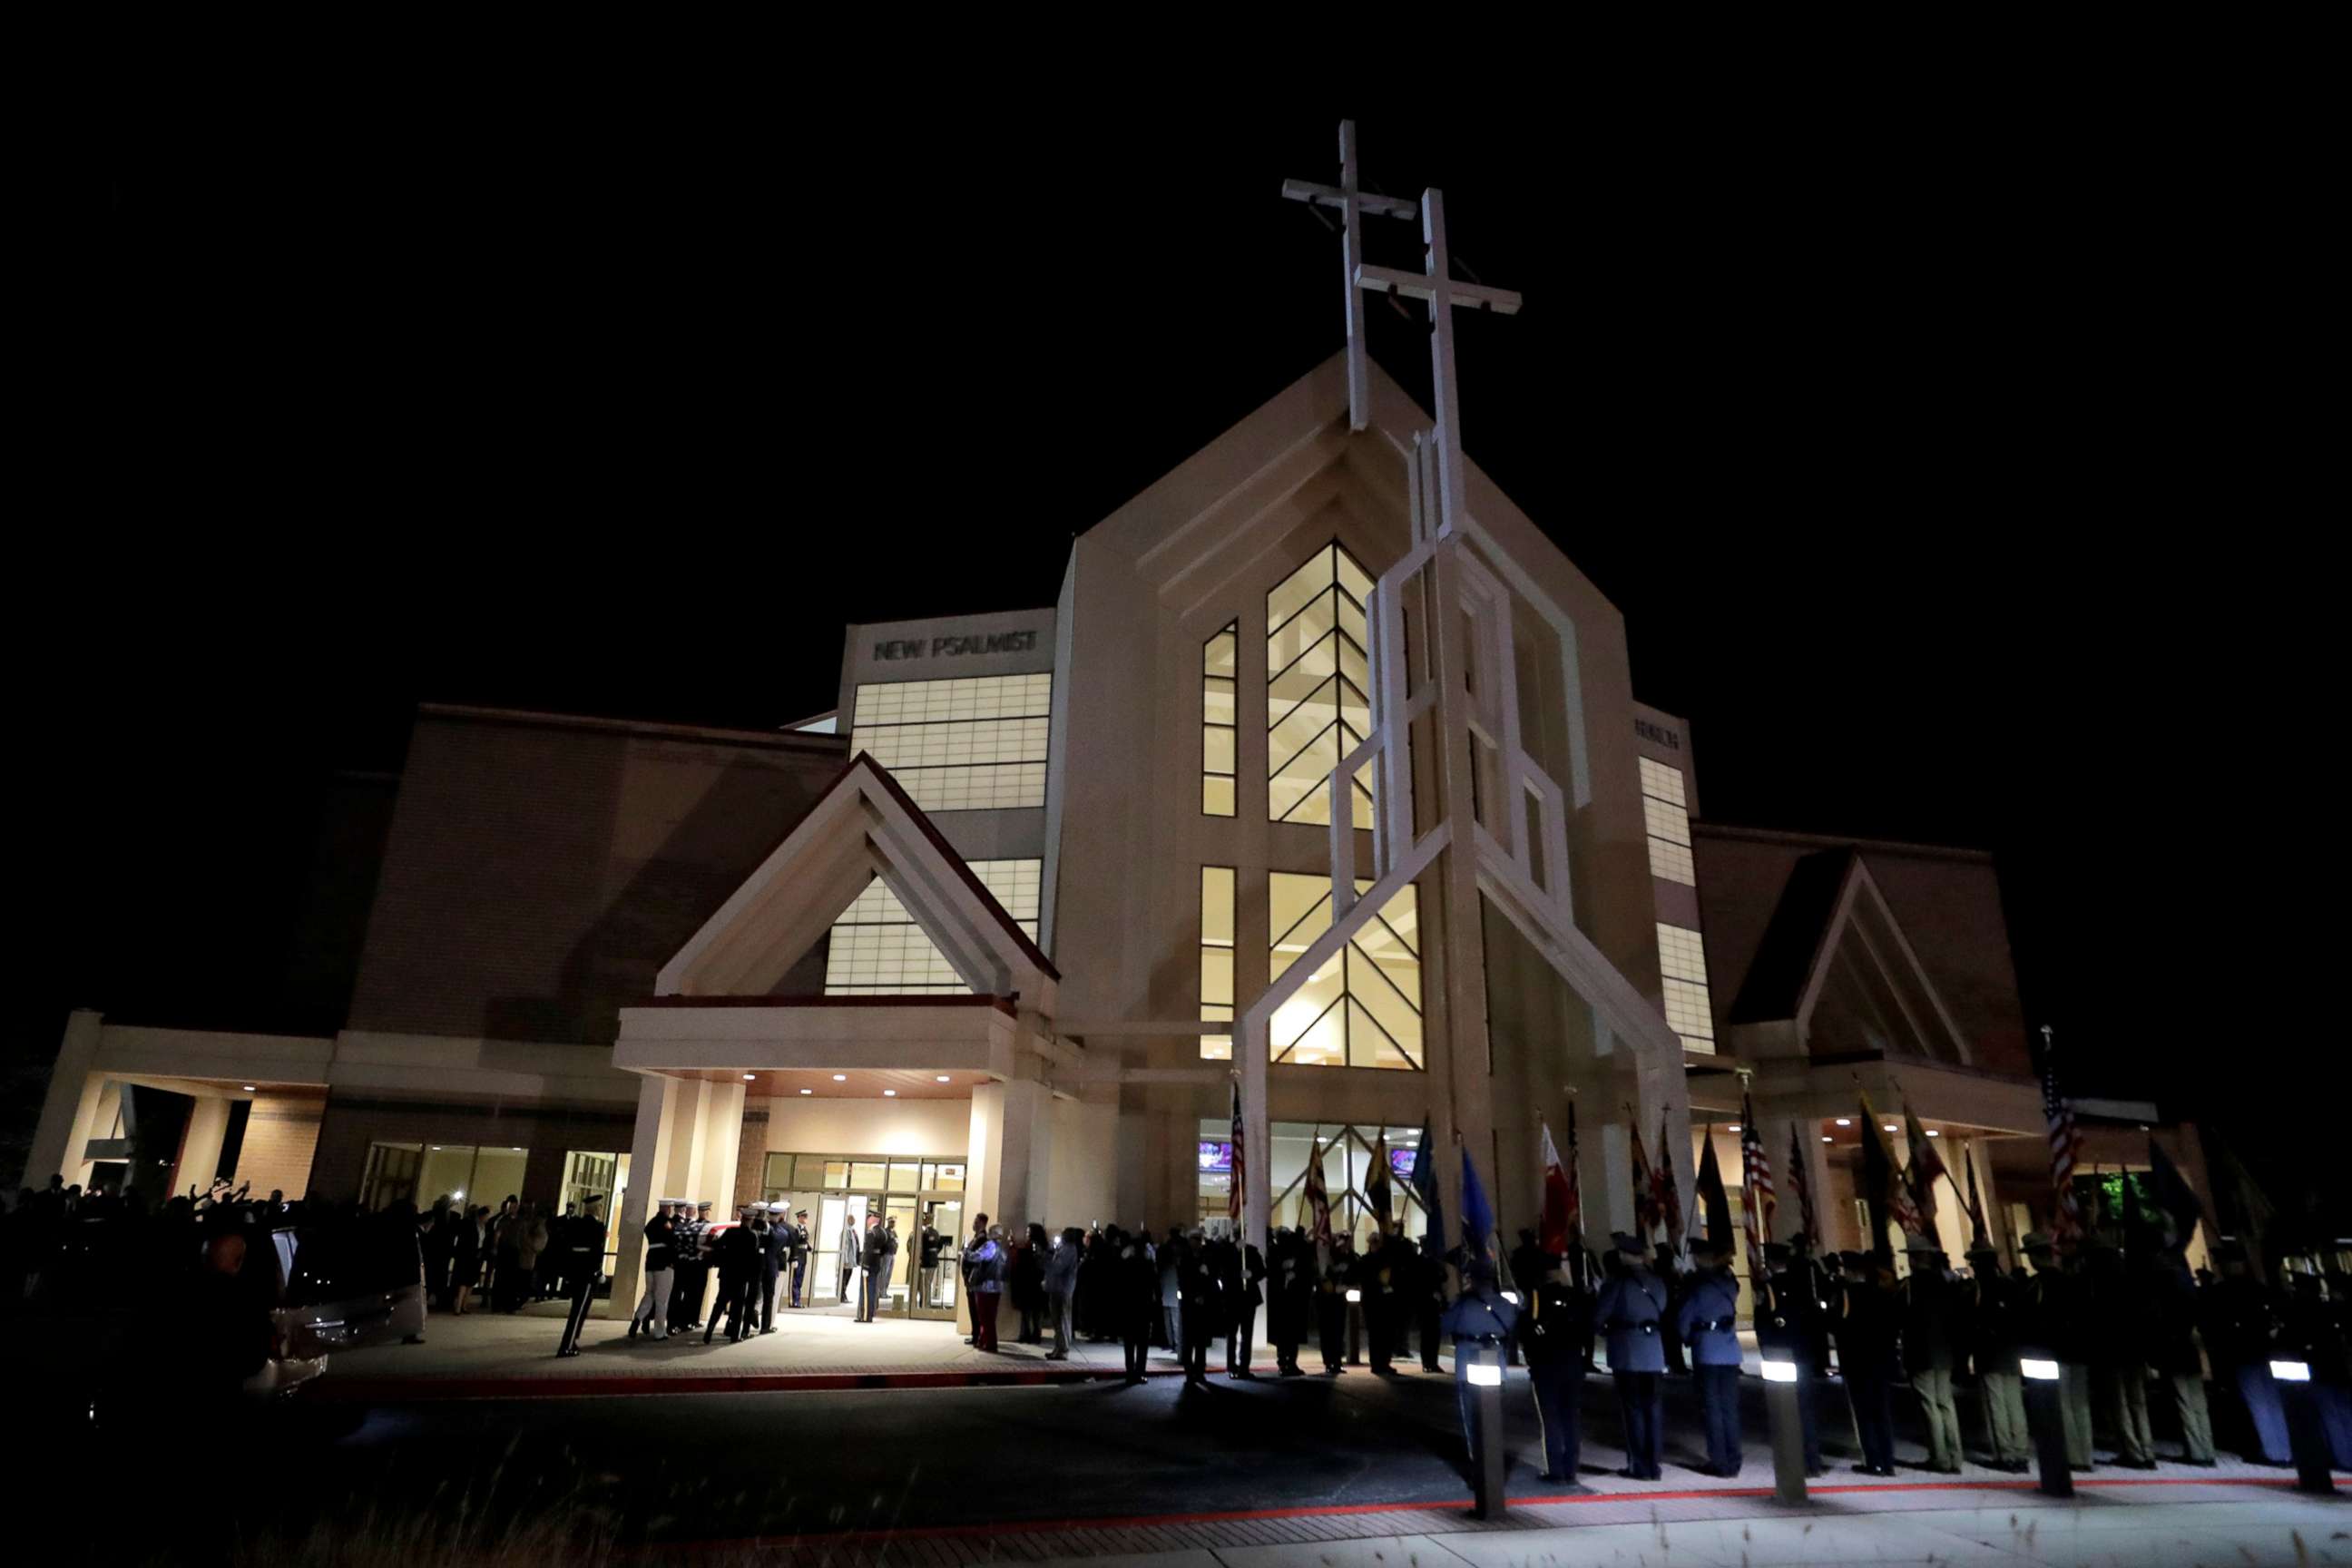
{"x":1709,"y":1322}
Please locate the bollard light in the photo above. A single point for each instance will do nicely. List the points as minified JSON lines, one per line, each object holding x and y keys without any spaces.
{"x":2290,"y":1371}
{"x":2047,"y":1422}
{"x":1780,"y":1406}
{"x":1486,"y":1374}
{"x":1512,"y":1297}
{"x":2039,"y":1371}
{"x":1354,"y":1295}
{"x":1779,"y":1371}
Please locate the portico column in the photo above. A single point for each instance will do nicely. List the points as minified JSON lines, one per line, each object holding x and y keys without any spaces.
{"x":1004,"y":1163}
{"x":200,"y":1146}
{"x":652,"y":1148}
{"x":70,"y":1108}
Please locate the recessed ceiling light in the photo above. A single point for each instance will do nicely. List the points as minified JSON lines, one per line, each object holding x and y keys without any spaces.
{"x":1827,"y":1138}
{"x":1892,"y":1128}
{"x":841,"y":1077}
{"x":1735,"y":1126}
{"x":1933,"y":1134}
{"x":751,"y":1076}
{"x":1846,"y":1122}
{"x":808,"y":1091}
{"x":890,"y":1094}
{"x":944,"y":1077}
{"x":248,"y":1089}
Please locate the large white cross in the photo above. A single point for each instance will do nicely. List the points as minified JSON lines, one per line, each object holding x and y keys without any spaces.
{"x":1435,"y":284}
{"x":1352,"y":204}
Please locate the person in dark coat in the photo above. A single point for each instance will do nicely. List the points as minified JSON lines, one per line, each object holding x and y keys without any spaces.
{"x":1428,"y":1300}
{"x":1200,"y":1306}
{"x":1331,"y":1306}
{"x":797,"y":1242}
{"x":1292,"y":1303}
{"x":2242,"y":1329}
{"x":2118,"y":1372}
{"x":1934,"y":1334}
{"x":1787,"y":1323}
{"x":1134,"y":1285}
{"x":736,"y":1256}
{"x":1552,"y":1325}
{"x":1377,"y":1276}
{"x":2172,"y":1349}
{"x":1996,"y":1325}
{"x":1865,"y":1327}
{"x":690,"y":1283}
{"x":466,"y":1258}
{"x":881,"y":1253}
{"x":2061,"y":1324}
{"x":1668,"y":1270}
{"x":775,"y":1247}
{"x":1240,"y":1288}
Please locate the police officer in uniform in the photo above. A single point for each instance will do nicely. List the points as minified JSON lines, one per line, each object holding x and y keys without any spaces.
{"x":1708,"y":1325}
{"x":1293,"y":1304}
{"x":1934,"y":1333}
{"x":1241,"y":1284}
{"x":1556,"y":1321}
{"x":1996,"y":1322}
{"x":1428,"y":1300}
{"x":1198,"y":1306}
{"x":796,"y":1247}
{"x":1331,"y":1309}
{"x":774,"y":1245}
{"x":2118,"y":1351}
{"x":1481,"y":1324}
{"x":1865,"y":1331}
{"x":1787,"y":1327}
{"x":2059,"y":1318}
{"x":580,"y":1266}
{"x":1633,"y":1301}
{"x":736,"y":1256}
{"x":929,"y":1245}
{"x":1376,"y":1278}
{"x":2174,"y":1352}
{"x":2242,"y":1329}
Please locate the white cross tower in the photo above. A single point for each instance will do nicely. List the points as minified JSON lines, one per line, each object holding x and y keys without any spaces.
{"x":1352,"y":204}
{"x":1436,"y":285}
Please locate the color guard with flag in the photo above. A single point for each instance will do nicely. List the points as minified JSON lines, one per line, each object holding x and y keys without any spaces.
{"x":1557,"y":1232}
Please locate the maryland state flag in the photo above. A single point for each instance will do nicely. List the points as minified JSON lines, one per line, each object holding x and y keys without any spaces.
{"x":1645,"y":1191}
{"x":1925,"y":1166}
{"x":1713,"y":1203}
{"x":1376,"y":1181}
{"x":1559,"y":1202}
{"x":1316,"y":1199}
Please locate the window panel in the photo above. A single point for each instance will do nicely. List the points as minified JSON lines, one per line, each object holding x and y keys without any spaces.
{"x":971,"y":745}
{"x":1362,"y":1007}
{"x":1666,"y":817}
{"x":1317,"y":680}
{"x":877,"y":948}
{"x":1216,"y":959}
{"x":1682,"y":962}
{"x":1219,"y":657}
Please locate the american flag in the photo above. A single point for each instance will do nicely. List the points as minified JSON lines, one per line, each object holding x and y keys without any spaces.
{"x":1237,"y":1181}
{"x":2065,"y":1150}
{"x":1758,"y":1170}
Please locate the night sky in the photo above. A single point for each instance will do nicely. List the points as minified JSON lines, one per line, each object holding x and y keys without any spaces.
{"x":1942,"y":459}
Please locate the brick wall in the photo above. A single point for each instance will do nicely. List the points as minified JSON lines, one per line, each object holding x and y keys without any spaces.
{"x":548,"y":1132}
{"x":281,"y":1140}
{"x":752,"y":1157}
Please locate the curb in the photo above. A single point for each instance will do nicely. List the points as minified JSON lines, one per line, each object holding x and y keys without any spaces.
{"x":419,"y":1390}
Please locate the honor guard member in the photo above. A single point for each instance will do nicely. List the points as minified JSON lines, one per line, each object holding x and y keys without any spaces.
{"x":761,"y":1232}
{"x":1198,"y":1303}
{"x":1481,"y":1323}
{"x":1865,"y":1341}
{"x":1331,"y":1308}
{"x":773,"y":1253}
{"x":736,"y":1253}
{"x":929,"y":1244}
{"x":1708,"y":1325}
{"x":2241,"y":1330}
{"x":1554,"y":1323}
{"x":1787,"y":1326}
{"x":881,"y":1247}
{"x":1243,"y":1286}
{"x":1428,"y":1300}
{"x":1669,"y":1269}
{"x":2118,"y":1353}
{"x":686,"y":1289}
{"x":1632,"y":1302}
{"x":2059,"y":1311}
{"x":1375,"y":1278}
{"x":797,"y":1254}
{"x":1292,"y":1308}
{"x":1934,"y":1333}
{"x":2173,"y":1348}
{"x":1996,"y":1323}
{"x":661,"y":1255}
{"x":581,"y":1267}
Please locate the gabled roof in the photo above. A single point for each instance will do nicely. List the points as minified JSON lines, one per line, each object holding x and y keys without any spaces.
{"x":863,"y":824}
{"x":1833,"y":940}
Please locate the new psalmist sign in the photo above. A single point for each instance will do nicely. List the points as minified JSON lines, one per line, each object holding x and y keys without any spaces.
{"x":952,"y":645}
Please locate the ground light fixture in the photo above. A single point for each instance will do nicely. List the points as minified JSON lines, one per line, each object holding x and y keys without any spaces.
{"x":1788,"y":1430}
{"x":1733,"y":1128}
{"x":2047,"y":1423}
{"x":1932,"y":1132}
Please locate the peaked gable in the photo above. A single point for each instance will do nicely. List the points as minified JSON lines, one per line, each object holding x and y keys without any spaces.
{"x":863,"y":824}
{"x":1835,"y":961}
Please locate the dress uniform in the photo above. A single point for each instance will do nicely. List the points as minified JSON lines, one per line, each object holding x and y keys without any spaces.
{"x":1429,"y":1301}
{"x":2119,"y":1364}
{"x":1480,"y":1324}
{"x":1198,"y":1303}
{"x":736,"y":1253}
{"x":929,"y":1245}
{"x":1331,"y":1309}
{"x":2061,"y":1326}
{"x":2242,"y":1328}
{"x":1995,"y":1326}
{"x":1376,"y":1277}
{"x":1932,"y":1335}
{"x":798,"y":1245}
{"x":1291,"y":1308}
{"x":1865,"y":1331}
{"x":652,"y":1315}
{"x":1708,"y":1325}
{"x":1243,"y":1286}
{"x":2173,"y":1350}
{"x":772,"y":1248}
{"x":1789,"y":1326}
{"x":1633,"y":1301}
{"x":1555,"y":1322}
{"x":587,"y":1256}
{"x":692,"y":1272}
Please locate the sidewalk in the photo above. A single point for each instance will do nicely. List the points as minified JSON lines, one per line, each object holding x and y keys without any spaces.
{"x":484,"y":1355}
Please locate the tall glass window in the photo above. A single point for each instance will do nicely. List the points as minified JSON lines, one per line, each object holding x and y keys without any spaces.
{"x":1682,"y":961}
{"x":1317,"y":680}
{"x":1219,"y":657}
{"x":1362,"y":1008}
{"x":1216,"y":959}
{"x":877,"y":950}
{"x":1667,"y":815}
{"x":960,"y":746}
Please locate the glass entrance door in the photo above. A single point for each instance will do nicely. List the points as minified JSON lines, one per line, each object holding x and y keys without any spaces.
{"x":934,"y":1292}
